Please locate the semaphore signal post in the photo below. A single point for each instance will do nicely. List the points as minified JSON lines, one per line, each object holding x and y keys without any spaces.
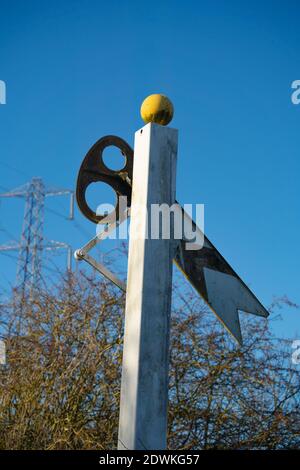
{"x":149,"y":178}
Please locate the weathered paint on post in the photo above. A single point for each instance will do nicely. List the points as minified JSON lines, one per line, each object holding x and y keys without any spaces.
{"x":144,"y":389}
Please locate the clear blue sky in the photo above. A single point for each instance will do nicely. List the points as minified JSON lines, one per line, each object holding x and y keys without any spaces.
{"x":77,"y":70}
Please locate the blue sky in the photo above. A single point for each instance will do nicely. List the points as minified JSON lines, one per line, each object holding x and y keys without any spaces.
{"x":77,"y":70}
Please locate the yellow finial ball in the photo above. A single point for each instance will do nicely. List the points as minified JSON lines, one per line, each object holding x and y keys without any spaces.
{"x":157,"y":108}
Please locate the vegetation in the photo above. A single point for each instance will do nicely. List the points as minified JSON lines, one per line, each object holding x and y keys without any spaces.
{"x":60,"y":388}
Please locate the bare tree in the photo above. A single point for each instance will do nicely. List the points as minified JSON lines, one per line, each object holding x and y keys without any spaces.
{"x":61,"y":386}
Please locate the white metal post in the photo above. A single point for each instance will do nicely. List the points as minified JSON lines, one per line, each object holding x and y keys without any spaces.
{"x":144,"y":389}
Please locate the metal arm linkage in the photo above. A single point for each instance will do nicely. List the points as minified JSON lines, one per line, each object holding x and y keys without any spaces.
{"x":82,"y":253}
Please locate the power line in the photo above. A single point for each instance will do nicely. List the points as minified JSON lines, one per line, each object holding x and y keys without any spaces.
{"x":8,"y":233}
{"x":12,"y":168}
{"x":82,"y":230}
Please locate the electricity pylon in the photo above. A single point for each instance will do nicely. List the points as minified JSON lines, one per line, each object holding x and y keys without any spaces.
{"x":32,"y":242}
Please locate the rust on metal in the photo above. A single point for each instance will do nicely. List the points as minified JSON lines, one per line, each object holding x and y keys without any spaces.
{"x":94,"y":170}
